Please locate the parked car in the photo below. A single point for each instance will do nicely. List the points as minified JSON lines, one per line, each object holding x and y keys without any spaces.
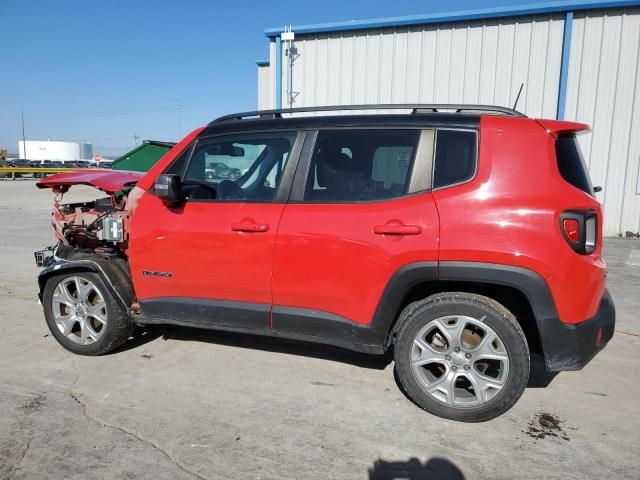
{"x":216,"y":170}
{"x":234,"y":173}
{"x":104,"y":164}
{"x":85,"y":164}
{"x":466,"y":243}
{"x":19,"y":162}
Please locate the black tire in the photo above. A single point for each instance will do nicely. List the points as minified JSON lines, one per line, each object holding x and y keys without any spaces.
{"x":118,"y":327}
{"x":418,"y":314}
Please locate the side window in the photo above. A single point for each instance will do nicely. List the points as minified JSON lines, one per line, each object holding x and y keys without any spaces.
{"x":456,"y":155}
{"x":246,"y":167}
{"x":361,"y":165}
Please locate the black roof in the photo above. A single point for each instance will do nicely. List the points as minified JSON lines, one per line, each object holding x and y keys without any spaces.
{"x":421,"y":120}
{"x":422,"y":115}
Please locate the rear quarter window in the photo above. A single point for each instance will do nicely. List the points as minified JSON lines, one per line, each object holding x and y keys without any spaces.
{"x":571,"y":163}
{"x":456,"y":157}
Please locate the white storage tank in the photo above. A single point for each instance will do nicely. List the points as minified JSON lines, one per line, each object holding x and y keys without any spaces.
{"x":52,"y":150}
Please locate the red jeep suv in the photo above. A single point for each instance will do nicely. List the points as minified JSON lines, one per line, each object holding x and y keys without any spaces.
{"x":464,"y":238}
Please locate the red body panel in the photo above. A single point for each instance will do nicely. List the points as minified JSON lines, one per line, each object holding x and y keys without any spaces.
{"x":328,"y":257}
{"x":509,"y":214}
{"x":206,"y":253}
{"x":338,"y":258}
{"x":557,"y":127}
{"x":106,"y":180}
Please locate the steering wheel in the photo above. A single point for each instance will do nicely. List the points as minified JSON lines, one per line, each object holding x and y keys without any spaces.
{"x":229,"y":190}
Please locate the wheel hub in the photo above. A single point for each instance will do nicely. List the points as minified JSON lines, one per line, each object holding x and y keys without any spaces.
{"x":459,"y":360}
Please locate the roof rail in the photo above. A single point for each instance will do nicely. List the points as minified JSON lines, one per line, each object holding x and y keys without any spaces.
{"x":414,"y":107}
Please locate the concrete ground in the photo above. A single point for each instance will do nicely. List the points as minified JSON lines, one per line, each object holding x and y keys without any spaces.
{"x":180,"y":403}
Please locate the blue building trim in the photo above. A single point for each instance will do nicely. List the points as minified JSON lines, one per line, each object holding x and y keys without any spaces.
{"x":262,"y":63}
{"x":564,"y":65}
{"x":278,"y":72}
{"x":465,"y":15}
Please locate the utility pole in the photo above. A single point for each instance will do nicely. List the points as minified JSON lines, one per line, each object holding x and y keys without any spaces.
{"x":24,"y":139}
{"x":291,"y":52}
{"x":135,"y":139}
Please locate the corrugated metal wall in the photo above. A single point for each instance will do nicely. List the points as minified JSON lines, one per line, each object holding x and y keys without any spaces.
{"x":604,"y":91}
{"x":471,"y":62}
{"x":266,"y":80}
{"x":485,"y":62}
{"x":265,"y":87}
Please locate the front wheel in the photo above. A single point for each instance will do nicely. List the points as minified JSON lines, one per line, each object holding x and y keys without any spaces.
{"x":461,"y":356}
{"x":83,"y":314}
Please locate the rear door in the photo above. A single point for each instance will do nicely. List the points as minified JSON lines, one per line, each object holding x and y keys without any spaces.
{"x":209,"y":260}
{"x":360,"y":209}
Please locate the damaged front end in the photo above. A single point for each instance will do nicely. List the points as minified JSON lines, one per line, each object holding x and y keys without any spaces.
{"x":92,"y":236}
{"x":99,"y":226}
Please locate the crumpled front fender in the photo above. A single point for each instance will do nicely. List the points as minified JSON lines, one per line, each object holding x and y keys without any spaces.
{"x":114,"y":272}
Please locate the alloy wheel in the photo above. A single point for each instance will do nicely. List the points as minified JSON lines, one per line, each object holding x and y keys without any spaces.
{"x":79,"y":310}
{"x":459,"y":360}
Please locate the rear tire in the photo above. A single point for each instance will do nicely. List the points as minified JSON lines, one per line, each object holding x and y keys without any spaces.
{"x":83,"y":314}
{"x":461,"y":356}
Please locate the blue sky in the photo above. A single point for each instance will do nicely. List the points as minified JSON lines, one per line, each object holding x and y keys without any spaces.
{"x":105,"y":71}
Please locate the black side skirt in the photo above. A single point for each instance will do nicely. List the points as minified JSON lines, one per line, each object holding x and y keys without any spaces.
{"x":288,"y":322}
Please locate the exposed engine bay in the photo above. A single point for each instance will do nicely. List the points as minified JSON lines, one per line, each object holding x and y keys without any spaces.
{"x":97,"y":226}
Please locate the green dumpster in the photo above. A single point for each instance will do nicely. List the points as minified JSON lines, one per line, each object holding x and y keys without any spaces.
{"x":143,"y":157}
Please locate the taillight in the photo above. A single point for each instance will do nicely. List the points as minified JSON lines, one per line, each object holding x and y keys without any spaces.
{"x":580,"y":230}
{"x":571,"y":228}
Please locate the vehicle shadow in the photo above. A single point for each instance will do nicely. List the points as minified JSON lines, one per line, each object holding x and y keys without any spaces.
{"x":538,"y":378}
{"x":148,"y":333}
{"x":413,"y":469}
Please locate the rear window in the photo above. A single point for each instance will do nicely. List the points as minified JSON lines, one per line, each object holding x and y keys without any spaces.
{"x":571,"y":163}
{"x":455,"y":162}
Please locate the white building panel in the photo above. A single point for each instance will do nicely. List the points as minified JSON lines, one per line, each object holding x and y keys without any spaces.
{"x":265,"y":87}
{"x":467,"y":62}
{"x":486,"y":62}
{"x":51,"y":150}
{"x":604,"y":91}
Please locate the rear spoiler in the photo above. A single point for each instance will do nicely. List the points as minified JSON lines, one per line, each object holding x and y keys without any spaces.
{"x":562,"y":127}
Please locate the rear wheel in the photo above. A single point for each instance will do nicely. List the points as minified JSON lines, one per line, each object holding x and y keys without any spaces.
{"x":83,"y":315}
{"x":461,"y":356}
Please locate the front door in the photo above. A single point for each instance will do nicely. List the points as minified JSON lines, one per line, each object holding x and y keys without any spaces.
{"x":208,"y":261}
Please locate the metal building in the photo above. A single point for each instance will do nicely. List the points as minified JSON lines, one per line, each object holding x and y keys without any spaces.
{"x":577,"y":60}
{"x":51,"y":150}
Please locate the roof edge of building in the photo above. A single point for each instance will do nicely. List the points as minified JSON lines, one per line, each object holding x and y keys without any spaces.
{"x":456,"y":16}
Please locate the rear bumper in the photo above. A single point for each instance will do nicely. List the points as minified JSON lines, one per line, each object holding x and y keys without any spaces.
{"x":572,"y":346}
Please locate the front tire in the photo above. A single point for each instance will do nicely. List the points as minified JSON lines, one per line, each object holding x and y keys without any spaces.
{"x":461,"y":356}
{"x":83,"y":315}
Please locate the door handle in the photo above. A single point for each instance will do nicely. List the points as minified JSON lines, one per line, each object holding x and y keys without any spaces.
{"x":250,"y":227}
{"x":397,"y":229}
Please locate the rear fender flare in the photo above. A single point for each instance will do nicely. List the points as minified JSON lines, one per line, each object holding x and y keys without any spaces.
{"x":530,"y":283}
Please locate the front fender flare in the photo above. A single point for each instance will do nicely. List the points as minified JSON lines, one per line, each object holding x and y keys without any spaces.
{"x":114,"y":273}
